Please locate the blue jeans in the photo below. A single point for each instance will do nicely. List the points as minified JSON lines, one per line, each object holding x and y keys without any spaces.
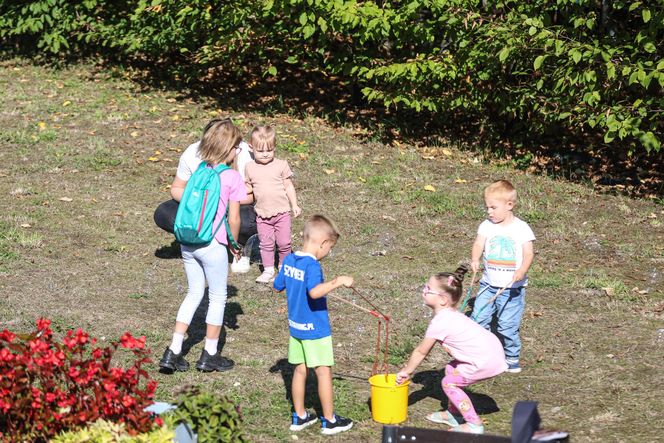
{"x":508,"y":310}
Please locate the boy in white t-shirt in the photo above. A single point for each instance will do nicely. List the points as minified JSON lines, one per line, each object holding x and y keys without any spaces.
{"x":506,"y":244}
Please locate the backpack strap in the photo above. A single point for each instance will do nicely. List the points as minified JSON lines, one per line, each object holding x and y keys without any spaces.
{"x":224,"y":220}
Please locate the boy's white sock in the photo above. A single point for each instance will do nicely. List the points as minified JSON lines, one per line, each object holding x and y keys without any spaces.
{"x":176,"y":344}
{"x":269,"y":269}
{"x":211,"y":345}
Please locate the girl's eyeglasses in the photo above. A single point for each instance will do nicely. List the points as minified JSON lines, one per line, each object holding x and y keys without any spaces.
{"x":427,"y":290}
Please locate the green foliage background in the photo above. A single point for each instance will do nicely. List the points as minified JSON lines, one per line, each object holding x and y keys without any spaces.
{"x":588,"y":69}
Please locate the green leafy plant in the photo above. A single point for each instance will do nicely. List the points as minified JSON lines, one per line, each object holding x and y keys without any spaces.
{"x":103,"y":431}
{"x":214,"y":418}
{"x":580,"y":69}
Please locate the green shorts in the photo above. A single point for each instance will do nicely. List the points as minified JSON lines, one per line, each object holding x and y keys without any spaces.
{"x":313,"y":353}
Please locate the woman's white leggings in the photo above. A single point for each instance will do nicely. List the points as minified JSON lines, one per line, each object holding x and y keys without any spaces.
{"x":200,"y":263}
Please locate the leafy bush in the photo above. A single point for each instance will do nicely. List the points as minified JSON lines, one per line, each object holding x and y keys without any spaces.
{"x":103,"y":431}
{"x":214,"y":418}
{"x":47,"y":387}
{"x":581,"y":68}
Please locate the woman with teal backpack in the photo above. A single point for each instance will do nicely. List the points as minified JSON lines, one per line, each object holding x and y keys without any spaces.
{"x":209,"y":262}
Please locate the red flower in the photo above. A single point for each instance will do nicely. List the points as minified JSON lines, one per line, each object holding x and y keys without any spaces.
{"x":43,"y":324}
{"x":7,"y":335}
{"x":128,"y":401}
{"x":129,"y":342}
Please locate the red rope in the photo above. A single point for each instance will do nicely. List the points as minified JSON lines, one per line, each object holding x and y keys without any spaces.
{"x":380,"y":316}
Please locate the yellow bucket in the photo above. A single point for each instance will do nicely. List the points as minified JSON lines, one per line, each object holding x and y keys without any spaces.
{"x":389,"y":401}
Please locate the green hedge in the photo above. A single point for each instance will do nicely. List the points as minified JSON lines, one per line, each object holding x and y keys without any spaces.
{"x":590,"y":69}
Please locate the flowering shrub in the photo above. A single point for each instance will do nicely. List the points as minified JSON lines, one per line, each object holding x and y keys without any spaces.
{"x":47,"y":386}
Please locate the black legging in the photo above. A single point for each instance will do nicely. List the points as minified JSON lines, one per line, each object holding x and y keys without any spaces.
{"x":164,"y":217}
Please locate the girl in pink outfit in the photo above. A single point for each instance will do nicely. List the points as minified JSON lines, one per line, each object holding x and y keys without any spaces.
{"x":477,"y":353}
{"x":270,"y":179}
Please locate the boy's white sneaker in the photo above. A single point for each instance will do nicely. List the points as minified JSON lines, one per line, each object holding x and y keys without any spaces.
{"x":266,"y":277}
{"x":241,"y":266}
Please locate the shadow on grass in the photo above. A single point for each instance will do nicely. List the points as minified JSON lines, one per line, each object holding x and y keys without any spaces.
{"x":311,"y":400}
{"x":197,"y":328}
{"x":169,"y":251}
{"x":431,"y":387}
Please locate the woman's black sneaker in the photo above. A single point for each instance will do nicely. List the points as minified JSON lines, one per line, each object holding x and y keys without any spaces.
{"x":171,"y":362}
{"x":340,"y":425}
{"x":216,"y":362}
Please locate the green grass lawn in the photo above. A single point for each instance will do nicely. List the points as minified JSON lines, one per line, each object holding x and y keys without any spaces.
{"x":86,"y":156}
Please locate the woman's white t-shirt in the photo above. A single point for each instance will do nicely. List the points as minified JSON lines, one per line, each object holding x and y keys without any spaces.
{"x":189,"y":160}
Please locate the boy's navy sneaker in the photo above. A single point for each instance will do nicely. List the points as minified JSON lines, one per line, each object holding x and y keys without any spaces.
{"x":301,"y":423}
{"x":340,"y":425}
{"x":171,"y":362}
{"x":513,"y":368}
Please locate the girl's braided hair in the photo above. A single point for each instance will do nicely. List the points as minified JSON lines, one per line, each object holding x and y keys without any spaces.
{"x":452,"y":283}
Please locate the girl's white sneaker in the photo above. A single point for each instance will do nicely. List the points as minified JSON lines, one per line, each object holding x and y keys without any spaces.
{"x":265,"y":277}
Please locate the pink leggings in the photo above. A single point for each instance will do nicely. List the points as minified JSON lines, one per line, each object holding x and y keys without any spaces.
{"x":274,"y":229}
{"x":459,"y":402}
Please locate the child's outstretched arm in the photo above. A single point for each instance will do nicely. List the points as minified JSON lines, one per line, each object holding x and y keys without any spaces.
{"x":419,"y":354}
{"x":322,"y":289}
{"x":476,"y":254}
{"x":528,"y":256}
{"x":292,"y":197}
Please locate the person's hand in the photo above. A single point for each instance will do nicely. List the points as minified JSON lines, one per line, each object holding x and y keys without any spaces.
{"x":519,"y":275}
{"x":296,"y":210}
{"x":345,"y":280}
{"x":475,"y":266}
{"x":402,"y":376}
{"x":237,"y":253}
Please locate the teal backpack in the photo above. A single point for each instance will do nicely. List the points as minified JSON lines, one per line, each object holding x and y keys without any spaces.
{"x":198,"y":206}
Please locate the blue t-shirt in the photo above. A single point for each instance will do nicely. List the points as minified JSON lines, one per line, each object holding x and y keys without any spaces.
{"x":307,"y":317}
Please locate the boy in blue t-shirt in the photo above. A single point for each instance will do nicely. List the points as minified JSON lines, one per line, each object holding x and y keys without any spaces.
{"x":310,"y":344}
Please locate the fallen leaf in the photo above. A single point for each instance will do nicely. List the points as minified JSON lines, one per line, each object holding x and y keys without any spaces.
{"x":389,"y":217}
{"x":153,"y":159}
{"x":66,"y":199}
{"x":66,"y":103}
{"x":460,"y":180}
{"x":447,"y":152}
{"x":26,"y":225}
{"x":157,"y":152}
{"x":175,"y":117}
{"x":429,"y":188}
{"x":362,"y":179}
{"x":428,"y":157}
{"x":134,"y":134}
{"x":329,"y":171}
{"x":42,"y":126}
{"x":609,"y":291}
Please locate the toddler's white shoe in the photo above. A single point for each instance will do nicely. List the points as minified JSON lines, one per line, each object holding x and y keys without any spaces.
{"x":266,"y":277}
{"x":241,"y":266}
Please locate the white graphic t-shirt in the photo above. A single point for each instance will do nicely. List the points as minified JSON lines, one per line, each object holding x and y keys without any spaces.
{"x":503,"y":251}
